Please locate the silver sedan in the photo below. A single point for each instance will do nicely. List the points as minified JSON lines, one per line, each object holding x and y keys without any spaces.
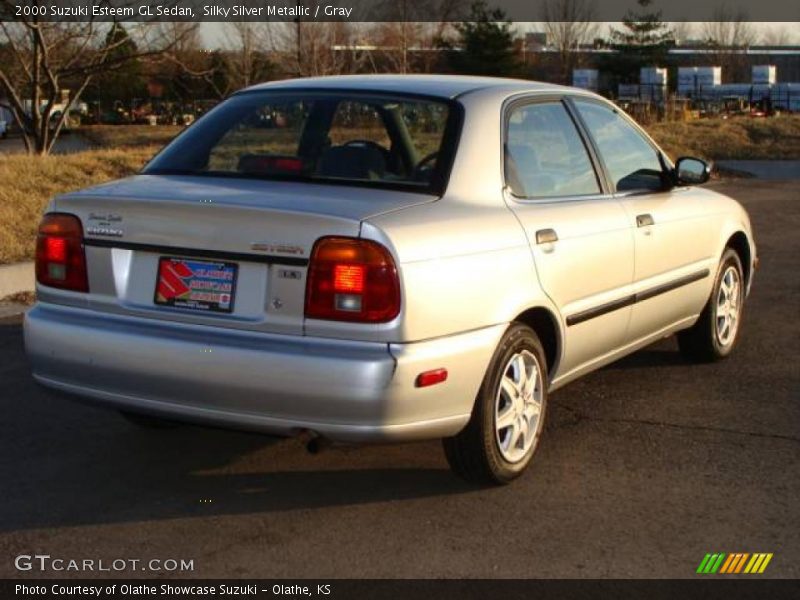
{"x":386,"y":258}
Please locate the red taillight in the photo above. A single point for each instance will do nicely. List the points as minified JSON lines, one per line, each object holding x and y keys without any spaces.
{"x":349,"y":278}
{"x":60,"y":259}
{"x":55,"y":249}
{"x":352,"y":280}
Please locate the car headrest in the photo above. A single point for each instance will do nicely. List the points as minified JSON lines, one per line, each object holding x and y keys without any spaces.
{"x":352,"y":162}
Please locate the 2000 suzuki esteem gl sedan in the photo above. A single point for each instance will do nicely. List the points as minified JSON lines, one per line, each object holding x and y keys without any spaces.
{"x":386,"y":258}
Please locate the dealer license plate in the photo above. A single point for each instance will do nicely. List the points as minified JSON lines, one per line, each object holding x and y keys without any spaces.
{"x":200,"y":285}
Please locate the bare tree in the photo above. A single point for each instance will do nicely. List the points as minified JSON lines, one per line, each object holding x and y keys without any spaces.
{"x":728,"y":33}
{"x":569,"y":23}
{"x":400,"y":36}
{"x":683,"y":31}
{"x":395,"y":41}
{"x":187,"y":64}
{"x":48,"y":57}
{"x":313,"y":49}
{"x":184,"y":39}
{"x":776,"y":36}
{"x":247,"y":47}
{"x":729,"y":29}
{"x":405,"y":44}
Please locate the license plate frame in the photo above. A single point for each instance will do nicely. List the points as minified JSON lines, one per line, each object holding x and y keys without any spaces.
{"x":196,"y":284}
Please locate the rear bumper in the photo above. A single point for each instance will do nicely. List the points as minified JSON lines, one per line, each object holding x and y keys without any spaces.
{"x":347,"y":391}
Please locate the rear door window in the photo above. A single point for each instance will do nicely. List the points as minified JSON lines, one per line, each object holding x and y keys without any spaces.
{"x":545,"y":156}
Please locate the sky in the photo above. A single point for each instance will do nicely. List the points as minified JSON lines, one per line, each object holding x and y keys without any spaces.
{"x":214,"y":33}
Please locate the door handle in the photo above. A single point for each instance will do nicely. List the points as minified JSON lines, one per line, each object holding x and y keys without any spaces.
{"x":644,"y":220}
{"x":546,"y":236}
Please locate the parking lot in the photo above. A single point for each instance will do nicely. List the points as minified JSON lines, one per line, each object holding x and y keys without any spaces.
{"x":64,"y":145}
{"x":646,"y":466}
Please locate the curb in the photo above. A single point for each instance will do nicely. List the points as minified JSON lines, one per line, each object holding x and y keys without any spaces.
{"x":12,"y":311}
{"x":15,"y":278}
{"x":766,"y":170}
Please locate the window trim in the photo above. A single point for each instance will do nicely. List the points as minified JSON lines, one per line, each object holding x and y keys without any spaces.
{"x":572,"y":101}
{"x":527,"y":99}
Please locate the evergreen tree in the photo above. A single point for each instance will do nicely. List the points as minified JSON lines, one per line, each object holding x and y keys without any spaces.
{"x":485,"y":42}
{"x":643,"y":41}
{"x":123,"y":80}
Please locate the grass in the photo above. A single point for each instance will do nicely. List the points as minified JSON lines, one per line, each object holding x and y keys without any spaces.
{"x":28,"y":183}
{"x":116,"y":136}
{"x":735,"y":138}
{"x":26,"y":298}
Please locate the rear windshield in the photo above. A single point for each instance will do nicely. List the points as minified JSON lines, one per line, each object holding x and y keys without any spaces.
{"x":385,"y":141}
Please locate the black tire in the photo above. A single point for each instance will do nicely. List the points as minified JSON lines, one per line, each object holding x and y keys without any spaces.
{"x":475,"y":453}
{"x":148,"y":422}
{"x":701,"y":342}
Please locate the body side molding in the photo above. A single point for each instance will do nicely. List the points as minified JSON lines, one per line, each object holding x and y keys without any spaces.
{"x":608,"y":307}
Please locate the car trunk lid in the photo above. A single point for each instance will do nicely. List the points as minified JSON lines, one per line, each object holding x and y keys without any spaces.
{"x":142,"y":232}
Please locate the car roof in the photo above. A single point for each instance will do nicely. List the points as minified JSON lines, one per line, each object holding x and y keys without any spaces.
{"x":445,"y":86}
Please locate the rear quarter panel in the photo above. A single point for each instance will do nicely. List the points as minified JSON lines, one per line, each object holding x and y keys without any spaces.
{"x":463,"y":267}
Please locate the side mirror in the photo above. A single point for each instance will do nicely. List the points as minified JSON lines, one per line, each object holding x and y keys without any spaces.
{"x":691,"y":171}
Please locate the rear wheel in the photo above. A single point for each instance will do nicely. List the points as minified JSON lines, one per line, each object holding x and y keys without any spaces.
{"x":148,"y":422}
{"x":714,"y":335}
{"x":507,"y":420}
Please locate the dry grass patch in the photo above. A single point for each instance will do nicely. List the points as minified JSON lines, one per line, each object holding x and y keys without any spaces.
{"x":27,"y":298}
{"x":116,"y":136}
{"x":741,"y":138}
{"x":28,"y":183}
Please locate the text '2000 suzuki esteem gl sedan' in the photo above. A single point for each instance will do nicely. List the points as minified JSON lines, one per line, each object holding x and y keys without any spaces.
{"x":386,"y":258}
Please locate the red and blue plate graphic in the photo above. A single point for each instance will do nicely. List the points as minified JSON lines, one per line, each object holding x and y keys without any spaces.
{"x":196,"y":284}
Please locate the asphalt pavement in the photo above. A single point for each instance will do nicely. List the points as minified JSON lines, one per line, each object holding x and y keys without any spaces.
{"x":65,"y":144}
{"x":775,"y":170}
{"x":645,"y":466}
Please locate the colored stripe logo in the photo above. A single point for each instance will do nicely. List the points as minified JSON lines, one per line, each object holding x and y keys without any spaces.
{"x":736,"y":562}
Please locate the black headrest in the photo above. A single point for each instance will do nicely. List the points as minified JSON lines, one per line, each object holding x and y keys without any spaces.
{"x":352,"y":162}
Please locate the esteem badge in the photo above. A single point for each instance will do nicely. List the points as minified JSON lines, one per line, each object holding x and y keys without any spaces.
{"x":277,"y":248}
{"x":105,"y":231}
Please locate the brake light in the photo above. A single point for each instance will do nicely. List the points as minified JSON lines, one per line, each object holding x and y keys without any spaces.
{"x":351,"y":279}
{"x":55,"y":249}
{"x":348,"y":278}
{"x":60,"y":259}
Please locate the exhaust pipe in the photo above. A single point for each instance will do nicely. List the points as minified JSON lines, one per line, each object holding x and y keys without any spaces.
{"x":314,"y":442}
{"x":317,"y":444}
